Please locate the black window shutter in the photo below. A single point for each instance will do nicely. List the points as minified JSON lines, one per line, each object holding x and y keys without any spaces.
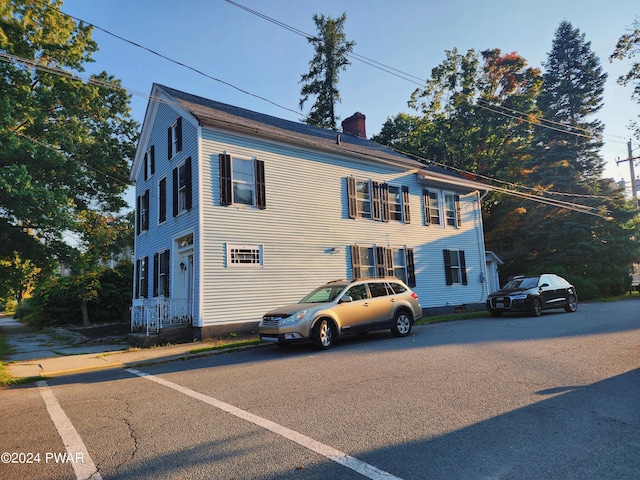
{"x":146,"y":206}
{"x":146,"y":163}
{"x":388,"y":261}
{"x":351,"y":197}
{"x":355,"y":261}
{"x":261,"y":199}
{"x":179,"y":135}
{"x":426,"y":204}
{"x":463,"y":267}
{"x":166,"y":272}
{"x":189,"y":184}
{"x":152,"y":154}
{"x":384,"y":200}
{"x":447,"y":267}
{"x":375,"y":200}
{"x":138,"y":213}
{"x":156,"y":273}
{"x":411,"y":268}
{"x":381,"y":271}
{"x":405,"y":204}
{"x":458,"y":215}
{"x":162,"y":208}
{"x":226,"y":190}
{"x":169,"y":144}
{"x":137,"y":286}
{"x":175,"y":192}
{"x":145,"y":285}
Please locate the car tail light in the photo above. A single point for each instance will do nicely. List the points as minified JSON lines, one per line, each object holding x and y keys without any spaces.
{"x":414,"y":295}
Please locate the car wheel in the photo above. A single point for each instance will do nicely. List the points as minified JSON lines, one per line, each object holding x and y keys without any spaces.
{"x":401,"y":324}
{"x":322,"y":335}
{"x":536,"y":307}
{"x":572,"y":304}
{"x":495,"y":313}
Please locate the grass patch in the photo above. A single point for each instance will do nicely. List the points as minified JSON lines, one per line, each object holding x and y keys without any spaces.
{"x":449,"y":317}
{"x":5,"y":349}
{"x":227,"y":344}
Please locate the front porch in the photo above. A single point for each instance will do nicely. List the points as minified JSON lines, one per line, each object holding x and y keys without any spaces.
{"x":151,"y":315}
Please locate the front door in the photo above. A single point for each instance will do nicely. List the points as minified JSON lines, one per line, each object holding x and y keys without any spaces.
{"x":182,"y":297}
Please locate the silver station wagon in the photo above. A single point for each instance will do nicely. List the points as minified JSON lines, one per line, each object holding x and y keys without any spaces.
{"x":343,"y":307}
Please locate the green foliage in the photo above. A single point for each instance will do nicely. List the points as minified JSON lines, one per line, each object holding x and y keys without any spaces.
{"x":331,"y":51}
{"x":628,"y":47}
{"x":568,"y":157}
{"x":67,"y":144}
{"x":482,"y":114}
{"x":57,"y":301}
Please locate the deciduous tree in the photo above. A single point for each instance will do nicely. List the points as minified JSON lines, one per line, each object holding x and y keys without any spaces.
{"x":66,"y":143}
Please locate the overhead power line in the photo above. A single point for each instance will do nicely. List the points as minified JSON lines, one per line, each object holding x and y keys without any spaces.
{"x":59,"y":71}
{"x":535,"y":120}
{"x":54,"y":70}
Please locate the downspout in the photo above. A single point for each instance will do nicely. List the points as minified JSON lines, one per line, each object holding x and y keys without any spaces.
{"x":481,"y":247}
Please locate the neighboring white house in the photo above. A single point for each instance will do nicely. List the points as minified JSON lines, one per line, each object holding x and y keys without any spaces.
{"x":240,"y":212}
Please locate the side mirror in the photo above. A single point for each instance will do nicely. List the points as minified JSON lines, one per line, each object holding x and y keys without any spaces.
{"x":346,"y":299}
{"x":544,"y":285}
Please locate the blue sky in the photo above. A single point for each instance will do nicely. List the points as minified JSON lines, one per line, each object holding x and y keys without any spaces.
{"x":239,"y":48}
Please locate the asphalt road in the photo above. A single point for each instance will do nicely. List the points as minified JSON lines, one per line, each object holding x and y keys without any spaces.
{"x":555,"y":397}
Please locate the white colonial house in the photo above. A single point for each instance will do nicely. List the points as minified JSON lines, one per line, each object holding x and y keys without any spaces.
{"x":240,"y":212}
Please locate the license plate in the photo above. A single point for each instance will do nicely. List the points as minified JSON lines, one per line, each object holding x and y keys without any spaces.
{"x":499,"y":305}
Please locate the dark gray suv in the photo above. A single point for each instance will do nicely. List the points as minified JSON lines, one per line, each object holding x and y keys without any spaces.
{"x":341,"y":307}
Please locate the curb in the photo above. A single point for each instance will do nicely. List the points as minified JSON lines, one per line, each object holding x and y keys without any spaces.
{"x":137,"y":363}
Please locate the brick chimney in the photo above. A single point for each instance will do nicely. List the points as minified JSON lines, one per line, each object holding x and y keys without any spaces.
{"x":355,"y":125}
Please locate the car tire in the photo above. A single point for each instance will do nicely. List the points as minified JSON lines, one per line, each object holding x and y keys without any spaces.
{"x":322,"y":335}
{"x":572,"y":304}
{"x":402,"y":323}
{"x":536,"y":307}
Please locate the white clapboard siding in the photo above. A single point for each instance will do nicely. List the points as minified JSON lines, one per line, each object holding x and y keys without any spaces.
{"x":307,"y":216}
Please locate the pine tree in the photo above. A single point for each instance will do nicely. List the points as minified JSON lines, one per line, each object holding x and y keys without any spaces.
{"x":592,"y":249}
{"x":331,"y":50}
{"x":628,"y":47}
{"x":566,"y":156}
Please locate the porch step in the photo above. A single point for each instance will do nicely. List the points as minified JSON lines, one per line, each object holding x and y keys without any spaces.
{"x":179,"y":333}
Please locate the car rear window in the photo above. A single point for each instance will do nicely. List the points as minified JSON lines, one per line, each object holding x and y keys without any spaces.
{"x":397,"y":288}
{"x":377,"y":289}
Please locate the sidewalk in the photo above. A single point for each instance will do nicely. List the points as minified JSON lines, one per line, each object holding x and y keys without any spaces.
{"x":37,"y":354}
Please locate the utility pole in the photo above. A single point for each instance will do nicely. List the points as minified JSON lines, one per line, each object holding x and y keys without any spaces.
{"x":634,"y":189}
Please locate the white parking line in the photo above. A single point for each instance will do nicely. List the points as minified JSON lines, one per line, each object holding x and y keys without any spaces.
{"x":81,"y":461}
{"x":326,"y":451}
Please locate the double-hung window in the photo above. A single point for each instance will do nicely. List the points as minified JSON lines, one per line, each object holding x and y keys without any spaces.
{"x":395,"y":203}
{"x":182,"y":190}
{"x":455,"y":267}
{"x":431,"y":203}
{"x":174,"y":139}
{"x":452,"y":212}
{"x":242,"y":181}
{"x":142,"y":211}
{"x":141,"y":277}
{"x":161,"y":274}
{"x":150,"y":162}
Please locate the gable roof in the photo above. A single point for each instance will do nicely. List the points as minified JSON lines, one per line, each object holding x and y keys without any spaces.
{"x":224,"y":116}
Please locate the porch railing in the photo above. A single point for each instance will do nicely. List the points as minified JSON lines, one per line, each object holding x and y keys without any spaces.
{"x":154,"y":313}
